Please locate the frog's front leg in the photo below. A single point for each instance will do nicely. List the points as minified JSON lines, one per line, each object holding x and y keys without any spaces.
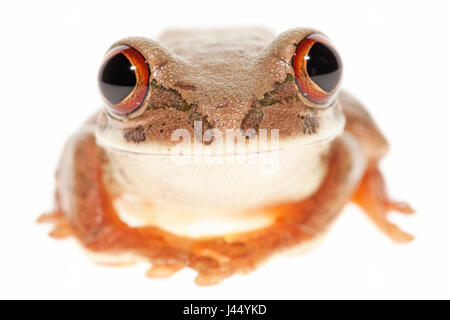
{"x":371,"y":195}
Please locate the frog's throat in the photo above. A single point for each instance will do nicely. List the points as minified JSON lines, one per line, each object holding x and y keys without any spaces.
{"x":183,"y":194}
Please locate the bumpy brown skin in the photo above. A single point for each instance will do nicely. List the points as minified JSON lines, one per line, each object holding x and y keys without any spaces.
{"x":225,"y":78}
{"x":93,"y":220}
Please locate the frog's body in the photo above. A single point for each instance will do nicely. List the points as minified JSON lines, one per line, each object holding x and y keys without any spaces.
{"x":121,"y":192}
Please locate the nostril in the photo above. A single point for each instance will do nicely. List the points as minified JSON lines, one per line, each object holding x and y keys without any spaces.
{"x":185,"y":86}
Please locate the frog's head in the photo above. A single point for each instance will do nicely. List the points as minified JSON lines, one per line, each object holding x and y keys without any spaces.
{"x":243,"y":80}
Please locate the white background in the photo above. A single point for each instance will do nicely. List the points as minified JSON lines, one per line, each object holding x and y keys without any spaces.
{"x":396,"y":56}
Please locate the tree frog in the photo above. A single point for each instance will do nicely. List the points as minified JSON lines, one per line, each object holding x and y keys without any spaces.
{"x":216,"y":149}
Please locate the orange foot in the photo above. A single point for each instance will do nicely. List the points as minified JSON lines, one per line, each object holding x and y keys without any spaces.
{"x":61,"y":229}
{"x":372,"y":197}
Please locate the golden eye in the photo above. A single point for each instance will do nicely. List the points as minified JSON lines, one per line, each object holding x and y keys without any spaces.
{"x":124,"y":80}
{"x":318,"y":69}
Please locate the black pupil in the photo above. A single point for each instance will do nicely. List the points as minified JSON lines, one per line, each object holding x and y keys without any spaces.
{"x":117,"y":78}
{"x":324,"y":66}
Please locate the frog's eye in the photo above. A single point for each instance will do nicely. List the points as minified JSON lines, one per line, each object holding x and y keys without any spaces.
{"x":124,"y":80}
{"x":318,"y":69}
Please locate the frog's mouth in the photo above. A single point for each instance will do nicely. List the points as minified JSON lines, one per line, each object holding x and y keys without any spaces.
{"x":232,"y":142}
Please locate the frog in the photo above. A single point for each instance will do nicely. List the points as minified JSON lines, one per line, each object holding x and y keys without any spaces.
{"x":128,"y":192}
